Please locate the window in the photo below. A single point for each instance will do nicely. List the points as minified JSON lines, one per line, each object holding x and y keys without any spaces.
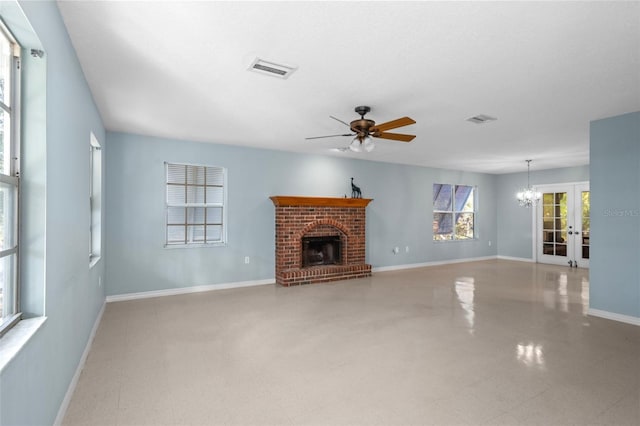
{"x":95,"y":198}
{"x":453,"y":212}
{"x":9,"y":172}
{"x":195,"y":205}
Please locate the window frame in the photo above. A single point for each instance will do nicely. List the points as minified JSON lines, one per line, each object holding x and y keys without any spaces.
{"x":12,"y":111}
{"x":95,"y":200}
{"x":196,"y":244}
{"x":454,"y":211}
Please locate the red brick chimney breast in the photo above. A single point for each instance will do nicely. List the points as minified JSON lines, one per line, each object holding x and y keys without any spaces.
{"x":298,"y":217}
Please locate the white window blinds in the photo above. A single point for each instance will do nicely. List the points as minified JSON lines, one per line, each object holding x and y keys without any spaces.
{"x":195,"y":204}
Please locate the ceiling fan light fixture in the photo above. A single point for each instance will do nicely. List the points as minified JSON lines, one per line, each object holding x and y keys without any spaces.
{"x":368,"y":144}
{"x":355,"y":145}
{"x":362,"y":143}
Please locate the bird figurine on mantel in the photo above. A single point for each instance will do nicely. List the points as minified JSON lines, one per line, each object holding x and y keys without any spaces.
{"x":355,"y":191}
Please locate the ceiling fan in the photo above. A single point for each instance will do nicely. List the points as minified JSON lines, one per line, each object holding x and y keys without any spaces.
{"x":364,"y":130}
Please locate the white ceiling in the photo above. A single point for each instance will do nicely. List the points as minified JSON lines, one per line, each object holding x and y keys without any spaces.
{"x":544,"y":69}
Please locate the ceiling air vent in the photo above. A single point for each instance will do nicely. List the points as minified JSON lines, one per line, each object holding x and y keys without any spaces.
{"x":481,"y":119}
{"x":271,"y":68}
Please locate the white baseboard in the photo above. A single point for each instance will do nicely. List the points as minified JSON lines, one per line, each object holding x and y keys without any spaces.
{"x":517,"y":259}
{"x":74,"y":381}
{"x":613,"y":316}
{"x":425,"y":264}
{"x":187,"y":290}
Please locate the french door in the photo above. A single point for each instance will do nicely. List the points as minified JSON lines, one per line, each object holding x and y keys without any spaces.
{"x":563,"y":225}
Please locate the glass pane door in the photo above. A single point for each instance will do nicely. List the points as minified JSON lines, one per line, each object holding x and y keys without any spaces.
{"x":554,"y":230}
{"x":563,"y":225}
{"x":583,"y":218}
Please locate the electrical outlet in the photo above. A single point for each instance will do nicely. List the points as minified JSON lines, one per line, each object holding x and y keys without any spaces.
{"x":406,"y":249}
{"x":99,"y":280}
{"x":489,"y":243}
{"x":246,"y":260}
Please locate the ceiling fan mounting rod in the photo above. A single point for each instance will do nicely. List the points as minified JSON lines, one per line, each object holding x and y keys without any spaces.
{"x":362,"y":110}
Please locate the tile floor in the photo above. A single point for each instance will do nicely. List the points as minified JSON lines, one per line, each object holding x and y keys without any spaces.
{"x":482,"y":343}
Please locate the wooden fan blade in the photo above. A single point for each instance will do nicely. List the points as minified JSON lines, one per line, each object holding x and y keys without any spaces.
{"x":395,"y":137}
{"x":330,"y":136}
{"x":404,"y":121}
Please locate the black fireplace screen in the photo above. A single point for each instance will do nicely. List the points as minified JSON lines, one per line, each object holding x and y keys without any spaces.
{"x":321,"y":251}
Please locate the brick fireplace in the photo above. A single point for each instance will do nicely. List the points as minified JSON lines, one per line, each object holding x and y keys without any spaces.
{"x":320,"y":239}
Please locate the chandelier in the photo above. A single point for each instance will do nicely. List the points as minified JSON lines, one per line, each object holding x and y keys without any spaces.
{"x":528,"y":196}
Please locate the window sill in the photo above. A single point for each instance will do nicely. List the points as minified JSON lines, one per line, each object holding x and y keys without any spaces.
{"x":16,"y":338}
{"x":93,"y":260}
{"x":188,"y":246}
{"x":467,"y":240}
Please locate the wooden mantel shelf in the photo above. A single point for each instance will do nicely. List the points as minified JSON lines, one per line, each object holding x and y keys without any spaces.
{"x":286,"y":200}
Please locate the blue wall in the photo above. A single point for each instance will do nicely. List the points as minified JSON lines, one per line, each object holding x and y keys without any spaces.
{"x":59,"y":115}
{"x":56,"y":213}
{"x":515,"y":233}
{"x":400,"y":215}
{"x":615,"y":215}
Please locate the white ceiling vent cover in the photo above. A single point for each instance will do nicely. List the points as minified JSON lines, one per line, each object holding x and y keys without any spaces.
{"x":481,"y":119}
{"x":271,"y":68}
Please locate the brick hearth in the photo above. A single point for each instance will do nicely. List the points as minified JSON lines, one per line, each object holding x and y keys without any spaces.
{"x":297,"y":217}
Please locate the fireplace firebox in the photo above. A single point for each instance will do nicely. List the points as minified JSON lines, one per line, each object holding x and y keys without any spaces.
{"x":321,"y":251}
